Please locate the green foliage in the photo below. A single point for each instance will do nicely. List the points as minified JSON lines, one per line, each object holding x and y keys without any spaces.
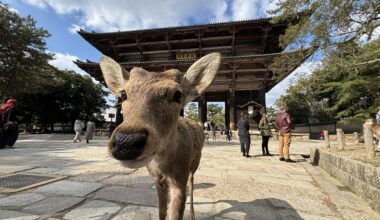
{"x":69,"y":97}
{"x":216,"y":114}
{"x":271,"y":114}
{"x":327,"y":23}
{"x":344,"y":88}
{"x":323,"y":26}
{"x":191,"y":111}
{"x":23,"y":58}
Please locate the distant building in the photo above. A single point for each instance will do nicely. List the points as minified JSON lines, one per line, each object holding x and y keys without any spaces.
{"x":110,"y":112}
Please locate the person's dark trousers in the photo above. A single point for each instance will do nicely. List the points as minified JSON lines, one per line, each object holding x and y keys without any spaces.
{"x":242,"y":147}
{"x":245,"y":148}
{"x":264,"y":145}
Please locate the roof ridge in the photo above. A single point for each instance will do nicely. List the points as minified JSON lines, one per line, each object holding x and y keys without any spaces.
{"x":81,"y":31}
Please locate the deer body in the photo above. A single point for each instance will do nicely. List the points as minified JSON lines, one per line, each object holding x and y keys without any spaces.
{"x":152,"y":133}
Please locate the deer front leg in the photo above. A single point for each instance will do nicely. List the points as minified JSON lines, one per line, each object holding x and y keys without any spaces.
{"x":177,"y":201}
{"x":162,"y":192}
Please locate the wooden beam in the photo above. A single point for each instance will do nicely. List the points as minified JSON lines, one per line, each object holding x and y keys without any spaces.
{"x":139,"y":47}
{"x":264,"y":40}
{"x":243,"y":70}
{"x":233,"y":41}
{"x":200,"y":44}
{"x":177,"y":50}
{"x":151,"y":43}
{"x":112,"y":43}
{"x":169,"y":46}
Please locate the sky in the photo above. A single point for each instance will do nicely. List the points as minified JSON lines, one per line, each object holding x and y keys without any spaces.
{"x":62,"y":18}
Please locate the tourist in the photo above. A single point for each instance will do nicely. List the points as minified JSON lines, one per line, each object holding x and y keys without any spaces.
{"x":378,"y":122}
{"x":78,"y":127}
{"x":90,"y":129}
{"x":111,"y":128}
{"x":266,"y":133}
{"x":244,"y":137}
{"x":283,"y":124}
{"x":228,"y":134}
{"x":213,"y":130}
{"x":8,"y":124}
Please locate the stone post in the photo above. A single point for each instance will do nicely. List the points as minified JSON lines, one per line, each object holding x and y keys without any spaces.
{"x":202,"y":110}
{"x":327,"y":139}
{"x":232,"y":110}
{"x":340,"y":138}
{"x":356,"y":138}
{"x":368,"y":138}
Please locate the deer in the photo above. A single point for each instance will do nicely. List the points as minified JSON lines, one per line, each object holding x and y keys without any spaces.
{"x":153,"y":134}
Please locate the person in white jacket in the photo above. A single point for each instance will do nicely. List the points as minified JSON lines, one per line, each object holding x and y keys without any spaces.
{"x":90,"y":129}
{"x":78,"y":127}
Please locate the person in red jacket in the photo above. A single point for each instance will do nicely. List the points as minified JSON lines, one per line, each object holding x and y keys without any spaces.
{"x":283,"y":124}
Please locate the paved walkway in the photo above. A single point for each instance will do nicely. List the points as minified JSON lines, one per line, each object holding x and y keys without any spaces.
{"x":227,"y":185}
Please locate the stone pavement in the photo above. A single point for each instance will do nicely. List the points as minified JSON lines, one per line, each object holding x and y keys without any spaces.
{"x":227,"y":185}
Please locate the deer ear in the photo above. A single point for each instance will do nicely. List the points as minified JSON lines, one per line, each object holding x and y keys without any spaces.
{"x":114,"y":74}
{"x":200,"y":75}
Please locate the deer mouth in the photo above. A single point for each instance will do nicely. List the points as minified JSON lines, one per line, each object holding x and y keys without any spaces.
{"x":137,"y":163}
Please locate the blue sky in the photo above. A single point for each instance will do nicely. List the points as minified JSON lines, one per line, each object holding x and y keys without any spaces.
{"x":63,"y":17}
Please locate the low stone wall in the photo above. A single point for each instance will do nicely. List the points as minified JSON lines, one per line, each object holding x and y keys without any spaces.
{"x":361,"y":178}
{"x":256,"y":135}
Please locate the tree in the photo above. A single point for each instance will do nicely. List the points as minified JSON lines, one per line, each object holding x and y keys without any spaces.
{"x":323,"y":26}
{"x":215,"y":113}
{"x":349,"y":84}
{"x":69,"y":97}
{"x":343,"y":88}
{"x":191,"y":111}
{"x":23,"y":58}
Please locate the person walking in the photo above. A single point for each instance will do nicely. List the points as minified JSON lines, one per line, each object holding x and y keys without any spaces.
{"x":266,"y":133}
{"x":8,"y":124}
{"x":90,"y":129}
{"x":111,"y":128}
{"x":213,"y":130}
{"x":78,"y":127}
{"x":283,"y":124}
{"x":244,"y":137}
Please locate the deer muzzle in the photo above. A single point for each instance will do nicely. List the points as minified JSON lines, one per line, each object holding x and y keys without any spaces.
{"x":128,"y":146}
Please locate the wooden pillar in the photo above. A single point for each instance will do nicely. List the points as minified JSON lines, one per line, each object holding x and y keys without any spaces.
{"x":119,"y":115}
{"x":202,"y":110}
{"x":182,"y":113}
{"x":261,"y":97}
{"x":340,"y":138}
{"x":232,"y":109}
{"x":368,"y":138}
{"x":327,"y":139}
{"x":356,"y":138}
{"x":227,"y":113}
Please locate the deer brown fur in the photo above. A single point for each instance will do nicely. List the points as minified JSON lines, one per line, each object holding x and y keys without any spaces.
{"x":152,"y":134}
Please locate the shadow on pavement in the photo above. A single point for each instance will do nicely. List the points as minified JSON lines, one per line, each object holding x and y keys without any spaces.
{"x":203,"y":185}
{"x":260,"y":209}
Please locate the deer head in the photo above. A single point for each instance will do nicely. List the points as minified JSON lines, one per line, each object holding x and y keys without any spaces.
{"x":152,"y":106}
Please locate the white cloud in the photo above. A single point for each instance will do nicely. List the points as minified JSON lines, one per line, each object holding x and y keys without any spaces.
{"x":37,"y":3}
{"x":280,"y":88}
{"x":105,"y":16}
{"x":74,"y":28}
{"x":248,"y":9}
{"x":65,"y":62}
{"x":14,"y":10}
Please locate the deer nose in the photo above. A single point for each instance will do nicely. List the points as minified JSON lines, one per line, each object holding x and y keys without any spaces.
{"x":128,"y":146}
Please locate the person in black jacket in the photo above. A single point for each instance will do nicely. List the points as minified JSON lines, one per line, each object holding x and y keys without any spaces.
{"x":8,"y":124}
{"x":244,"y":137}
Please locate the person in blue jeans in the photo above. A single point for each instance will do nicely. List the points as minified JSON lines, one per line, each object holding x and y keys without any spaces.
{"x":244,"y":137}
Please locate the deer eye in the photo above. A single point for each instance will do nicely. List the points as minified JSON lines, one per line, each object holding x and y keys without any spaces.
{"x":123,"y":95}
{"x":177,"y":96}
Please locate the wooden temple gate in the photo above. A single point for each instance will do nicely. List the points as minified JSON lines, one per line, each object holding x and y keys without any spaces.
{"x":247,"y":48}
